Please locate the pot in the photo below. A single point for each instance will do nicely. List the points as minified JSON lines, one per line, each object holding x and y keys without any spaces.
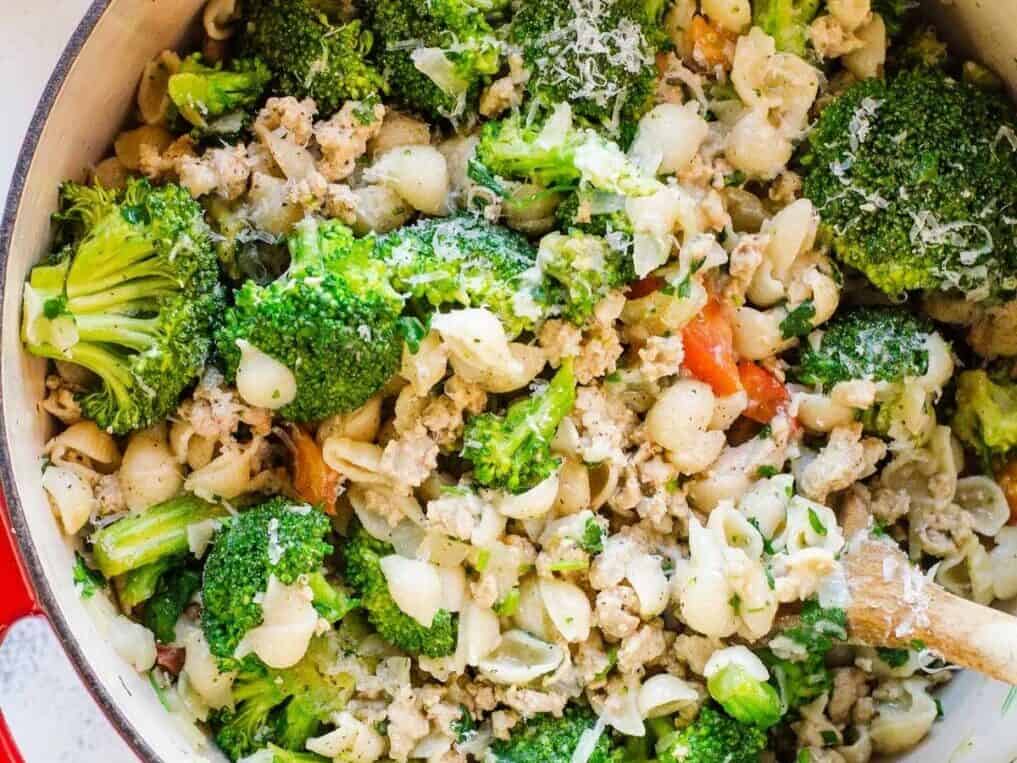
{"x":87,"y":99}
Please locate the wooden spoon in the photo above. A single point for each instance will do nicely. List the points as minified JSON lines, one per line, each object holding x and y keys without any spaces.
{"x":893,"y":603}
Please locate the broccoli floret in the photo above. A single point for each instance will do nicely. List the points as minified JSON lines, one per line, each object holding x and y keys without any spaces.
{"x":454,"y":52}
{"x":217,"y":100}
{"x":911,"y":176}
{"x":597,"y":56}
{"x":363,"y":554}
{"x":923,"y":48}
{"x":139,"y":585}
{"x":586,"y":268}
{"x":558,"y":156}
{"x":281,"y":707}
{"x":277,"y":538}
{"x":159,"y":533}
{"x":308,"y":55}
{"x":986,"y":414}
{"x":339,"y":338}
{"x":279,"y":755}
{"x":881,"y":344}
{"x":893,"y":13}
{"x":172,"y":594}
{"x":801,"y":681}
{"x":597,"y":213}
{"x":786,"y":21}
{"x":546,"y":739}
{"x":464,"y":261}
{"x":712,"y":738}
{"x":745,"y":698}
{"x":513,"y":452}
{"x":86,"y":580}
{"x":245,"y":253}
{"x":131,"y":296}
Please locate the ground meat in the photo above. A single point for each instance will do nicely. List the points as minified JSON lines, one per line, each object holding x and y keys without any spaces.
{"x":467,"y":395}
{"x":409,"y":459}
{"x":223,"y":171}
{"x":943,"y":529}
{"x":845,"y":459}
{"x":170,"y":658}
{"x":849,"y":685}
{"x":505,"y":92}
{"x":643,"y":646}
{"x":343,"y":138}
{"x":629,"y":492}
{"x":407,"y":723}
{"x":108,"y":493}
{"x":156,"y":165}
{"x":696,"y":650}
{"x":785,"y":188}
{"x":502,"y":723}
{"x":616,"y":612}
{"x":454,"y":515}
{"x":528,"y":702}
{"x":604,"y":425}
{"x":295,"y":117}
{"x":559,"y":339}
{"x":994,"y":332}
{"x":830,"y":39}
{"x":592,"y":661}
{"x":60,"y":401}
{"x":744,"y":260}
{"x":340,"y":203}
{"x":661,"y":356}
{"x":599,"y":353}
{"x":444,"y":421}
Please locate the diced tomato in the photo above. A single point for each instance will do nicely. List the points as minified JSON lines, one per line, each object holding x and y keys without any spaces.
{"x":1007,"y":479}
{"x":711,"y":42}
{"x":644,"y":287}
{"x":766,"y":394}
{"x":709,"y":349}
{"x":313,"y":480}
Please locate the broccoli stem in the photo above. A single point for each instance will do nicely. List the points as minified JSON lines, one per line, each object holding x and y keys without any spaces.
{"x":140,"y":584}
{"x":158,"y":533}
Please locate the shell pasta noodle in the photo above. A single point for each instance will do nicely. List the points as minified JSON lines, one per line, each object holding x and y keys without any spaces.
{"x":462,"y":381}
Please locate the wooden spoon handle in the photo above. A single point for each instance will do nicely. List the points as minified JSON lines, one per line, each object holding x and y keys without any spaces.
{"x":893,"y":604}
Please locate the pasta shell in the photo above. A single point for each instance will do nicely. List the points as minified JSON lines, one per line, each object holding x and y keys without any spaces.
{"x":534,"y":503}
{"x":519,"y":659}
{"x":415,"y":587}
{"x":479,"y":632}
{"x":568,"y":607}
{"x":663,"y":694}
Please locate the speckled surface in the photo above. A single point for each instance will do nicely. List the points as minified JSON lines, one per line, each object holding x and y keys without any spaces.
{"x":51,"y":715}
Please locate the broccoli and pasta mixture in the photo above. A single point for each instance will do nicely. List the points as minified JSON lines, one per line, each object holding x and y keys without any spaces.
{"x":462,"y":380}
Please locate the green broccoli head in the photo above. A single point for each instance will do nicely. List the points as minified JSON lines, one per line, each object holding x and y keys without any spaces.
{"x":363,"y":554}
{"x":986,"y":414}
{"x":465,"y":261}
{"x":214,"y":99}
{"x":513,"y":452}
{"x":786,"y":21}
{"x":454,"y":51}
{"x":282,"y":708}
{"x":595,"y":212}
{"x":277,"y":538}
{"x":911,"y":176}
{"x":597,"y":56}
{"x":586,"y":268}
{"x":558,"y":156}
{"x":279,"y":755}
{"x":744,"y":698}
{"x":547,"y":739}
{"x":882,"y":344}
{"x":801,"y":681}
{"x":340,"y":338}
{"x":132,"y":295}
{"x":308,"y":55}
{"x":713,"y":737}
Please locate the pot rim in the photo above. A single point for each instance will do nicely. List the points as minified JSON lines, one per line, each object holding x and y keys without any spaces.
{"x":16,"y":511}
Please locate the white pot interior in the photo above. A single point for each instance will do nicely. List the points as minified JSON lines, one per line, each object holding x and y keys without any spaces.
{"x":88,"y":109}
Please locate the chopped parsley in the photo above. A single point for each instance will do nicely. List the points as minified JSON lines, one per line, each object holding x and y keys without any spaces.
{"x":86,"y":580}
{"x":816,"y":522}
{"x":592,"y":541}
{"x":798,"y":321}
{"x":766,"y":471}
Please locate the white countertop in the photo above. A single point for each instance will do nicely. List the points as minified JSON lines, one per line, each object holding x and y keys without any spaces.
{"x":50,"y":714}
